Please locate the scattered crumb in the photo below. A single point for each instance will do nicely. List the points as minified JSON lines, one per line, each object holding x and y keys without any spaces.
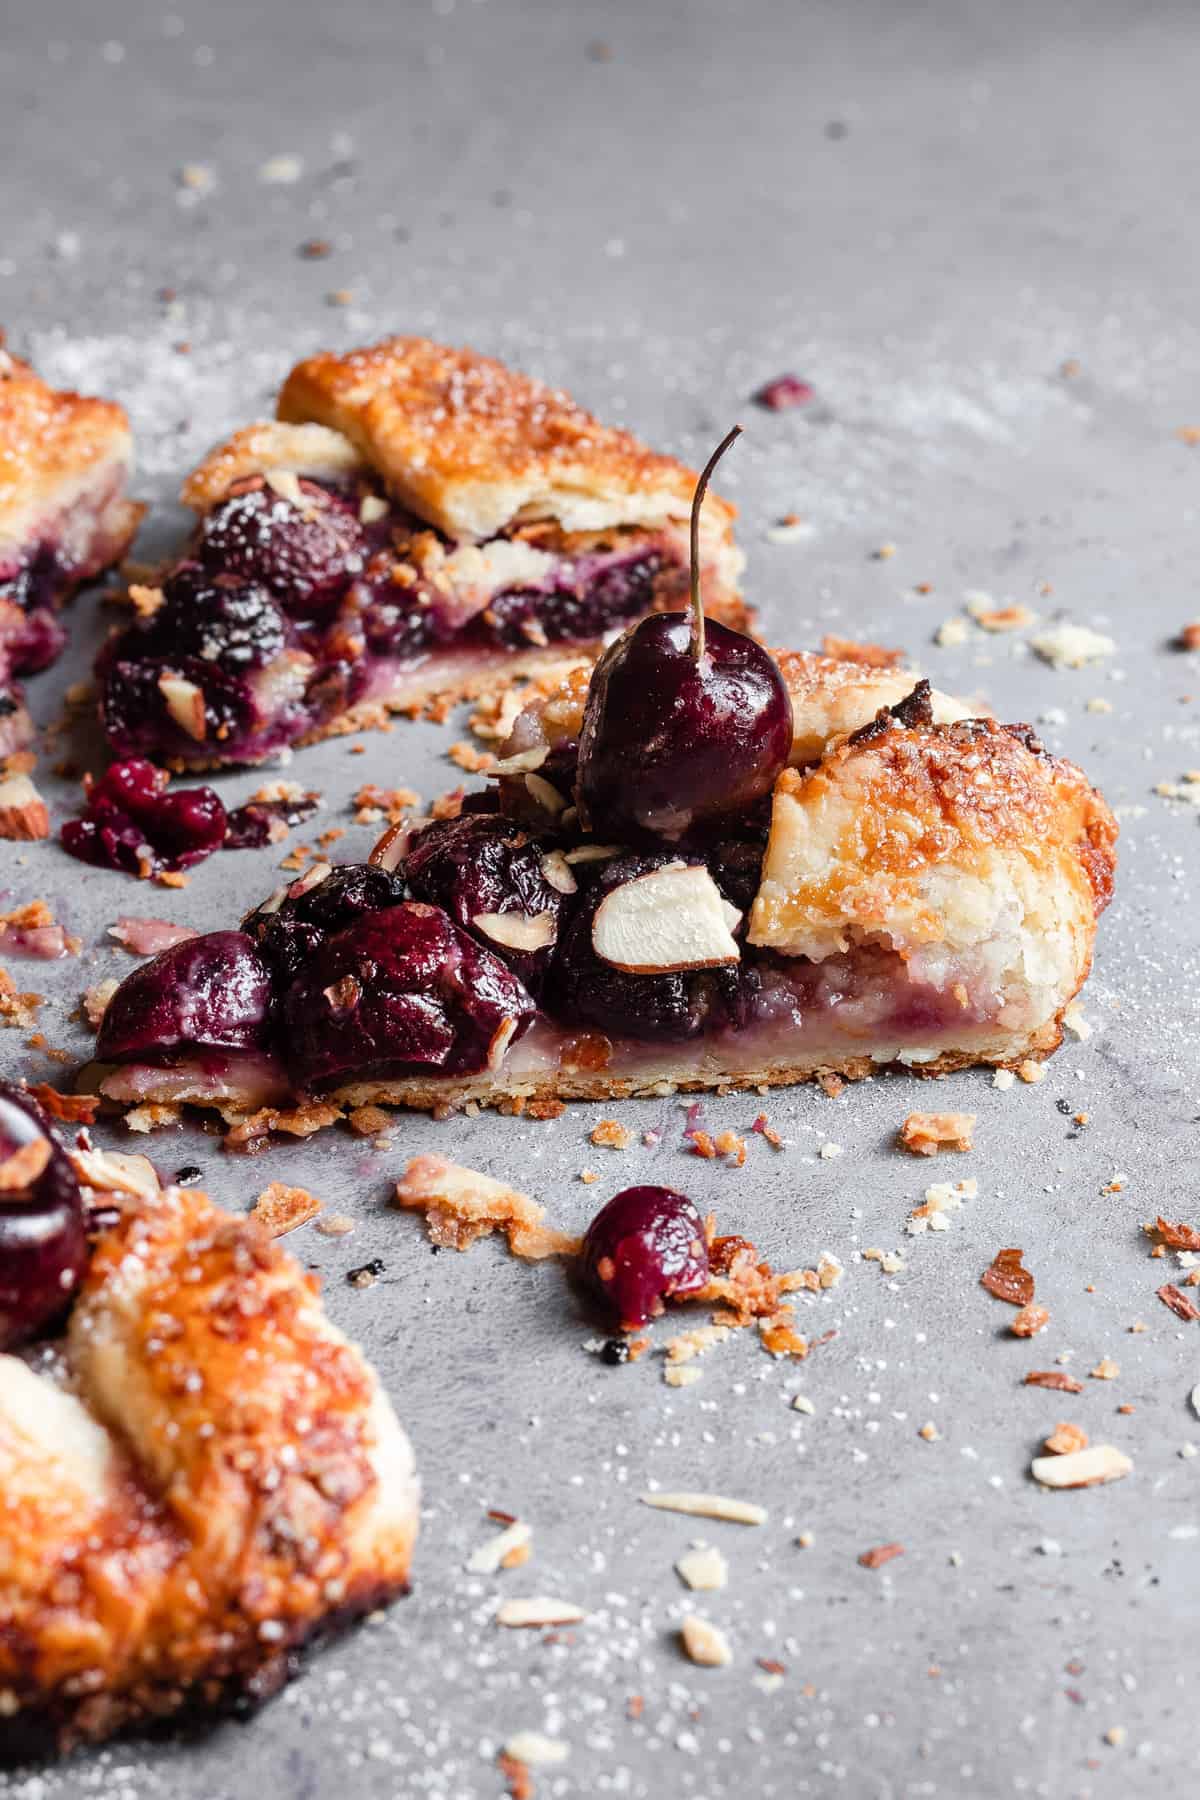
{"x":489,"y":1558}
{"x":335,"y":1225}
{"x":1003,"y":1079}
{"x":1054,"y":1378}
{"x":1072,"y":646}
{"x":1029,"y":1321}
{"x":951,"y":633}
{"x":1065,"y":1439}
{"x":609,"y":1134}
{"x":704,"y":1643}
{"x":927,"y":1133}
{"x":1031,"y":1072}
{"x":702,"y":1568}
{"x":1106,"y":1369}
{"x":1176,"y":1302}
{"x":881,"y":1554}
{"x":280,"y":1209}
{"x":1007,"y":1279}
{"x":461,"y":1205}
{"x":153,"y":1115}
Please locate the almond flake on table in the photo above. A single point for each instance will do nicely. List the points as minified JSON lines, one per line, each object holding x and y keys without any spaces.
{"x":536,"y":1750}
{"x":705,"y":1643}
{"x":488,"y":1558}
{"x":708,"y":1506}
{"x":538,"y":1610}
{"x":1177,"y":1302}
{"x":703,"y":1568}
{"x":1082,"y":1468}
{"x":1069,"y":646}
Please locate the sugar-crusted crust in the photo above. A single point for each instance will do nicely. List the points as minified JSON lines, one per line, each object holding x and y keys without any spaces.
{"x":217,"y":1477}
{"x":64,"y":462}
{"x":268,"y":445}
{"x":474,"y":446}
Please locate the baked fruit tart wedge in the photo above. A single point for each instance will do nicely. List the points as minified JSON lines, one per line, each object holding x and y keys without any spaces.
{"x":418,"y":524}
{"x":200,"y":1474}
{"x":65,"y":460}
{"x":700,"y":866}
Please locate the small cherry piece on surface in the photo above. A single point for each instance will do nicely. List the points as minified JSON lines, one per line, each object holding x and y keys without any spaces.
{"x":687,"y":724}
{"x":648,"y":1245}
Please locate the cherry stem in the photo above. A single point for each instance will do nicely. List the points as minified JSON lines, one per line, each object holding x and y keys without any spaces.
{"x":697,"y":645}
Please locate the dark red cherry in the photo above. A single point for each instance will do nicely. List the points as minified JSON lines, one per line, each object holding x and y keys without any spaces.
{"x":210,"y":992}
{"x":686,"y":727}
{"x":43,"y":1235}
{"x":306,"y":553}
{"x":498,"y":883}
{"x":402,"y":992}
{"x":294,"y":922}
{"x":648,"y":1245}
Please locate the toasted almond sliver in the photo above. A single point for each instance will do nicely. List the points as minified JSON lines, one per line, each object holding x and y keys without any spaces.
{"x":540,"y":1610}
{"x":115,"y":1172}
{"x":708,"y":1506}
{"x":489,"y":1557}
{"x":518,"y":930}
{"x":535,"y":1750}
{"x":681,"y":1374}
{"x":704,"y":1643}
{"x":703,"y":1568}
{"x":1082,"y":1468}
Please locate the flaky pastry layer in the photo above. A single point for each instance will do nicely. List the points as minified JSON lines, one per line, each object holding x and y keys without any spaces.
{"x":213,"y":1476}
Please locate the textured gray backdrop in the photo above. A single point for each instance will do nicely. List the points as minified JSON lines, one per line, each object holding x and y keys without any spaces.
{"x":927,"y":211}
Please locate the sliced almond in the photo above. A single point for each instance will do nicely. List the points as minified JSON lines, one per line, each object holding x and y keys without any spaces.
{"x":521,"y":762}
{"x":673,"y":918}
{"x":708,"y":1506}
{"x":372,"y":508}
{"x":185,"y":703}
{"x":556,"y":872}
{"x":392,"y":847}
{"x":703,"y":1568}
{"x":490,"y":1557}
{"x":1082,"y":1468}
{"x":518,"y":930}
{"x":20,"y":1170}
{"x":24,"y":817}
{"x":540,"y":1610}
{"x":115,"y":1172}
{"x":587,"y":853}
{"x":285,"y":483}
{"x":545,"y":795}
{"x":536,"y":1750}
{"x":705,"y":1644}
{"x":502,"y":1037}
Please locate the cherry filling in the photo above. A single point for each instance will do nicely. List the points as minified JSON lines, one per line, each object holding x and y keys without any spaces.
{"x":496,"y":882}
{"x":208,"y":993}
{"x":403,"y":992}
{"x":300,"y":599}
{"x":43,"y":1230}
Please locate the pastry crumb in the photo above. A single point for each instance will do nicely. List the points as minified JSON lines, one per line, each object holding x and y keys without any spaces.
{"x":924,"y":1134}
{"x":280,"y":1209}
{"x":462,"y":1205}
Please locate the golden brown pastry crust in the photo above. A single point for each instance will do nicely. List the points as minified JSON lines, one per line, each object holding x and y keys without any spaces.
{"x":475,"y":446}
{"x":267,"y":445}
{"x":64,"y":462}
{"x":234,"y":1481}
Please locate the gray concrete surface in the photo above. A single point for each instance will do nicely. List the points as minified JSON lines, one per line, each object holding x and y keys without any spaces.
{"x":926,"y":210}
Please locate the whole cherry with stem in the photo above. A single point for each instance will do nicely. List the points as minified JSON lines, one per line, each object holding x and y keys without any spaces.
{"x":688,"y":723}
